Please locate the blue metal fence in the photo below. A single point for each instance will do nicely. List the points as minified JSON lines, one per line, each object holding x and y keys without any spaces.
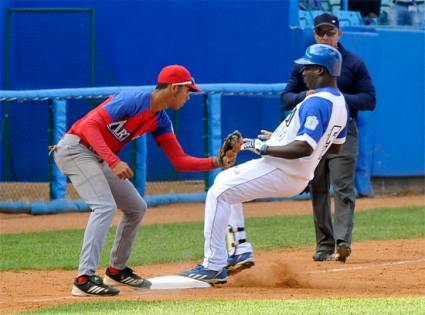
{"x":59,"y":98}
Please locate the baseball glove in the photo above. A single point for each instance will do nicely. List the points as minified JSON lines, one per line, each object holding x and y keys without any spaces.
{"x":230,"y":149}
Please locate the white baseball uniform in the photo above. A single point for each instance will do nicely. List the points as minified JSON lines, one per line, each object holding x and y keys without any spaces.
{"x":320,"y":120}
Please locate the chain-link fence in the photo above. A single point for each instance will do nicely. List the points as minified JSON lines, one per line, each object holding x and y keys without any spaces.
{"x":28,"y":125}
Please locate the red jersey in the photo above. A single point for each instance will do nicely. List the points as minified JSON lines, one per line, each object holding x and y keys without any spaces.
{"x":126,"y":116}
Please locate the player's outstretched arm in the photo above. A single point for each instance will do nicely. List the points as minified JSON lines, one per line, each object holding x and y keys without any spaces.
{"x":184,"y":162}
{"x":294,"y":150}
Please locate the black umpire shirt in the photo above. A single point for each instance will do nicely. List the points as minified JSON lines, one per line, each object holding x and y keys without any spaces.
{"x":355,"y":83}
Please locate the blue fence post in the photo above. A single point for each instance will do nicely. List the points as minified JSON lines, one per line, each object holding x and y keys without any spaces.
{"x":59,"y":183}
{"x":214,"y":130}
{"x":141,"y":164}
{"x":293,"y":13}
{"x":366,"y":131}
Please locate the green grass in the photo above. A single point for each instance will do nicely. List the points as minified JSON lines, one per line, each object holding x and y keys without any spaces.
{"x":329,"y":306}
{"x":164,"y":243}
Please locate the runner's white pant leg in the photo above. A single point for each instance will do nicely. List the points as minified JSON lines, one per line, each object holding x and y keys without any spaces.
{"x":237,"y":219}
{"x":251,"y":180}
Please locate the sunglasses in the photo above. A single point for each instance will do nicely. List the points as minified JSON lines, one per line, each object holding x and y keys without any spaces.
{"x":310,"y":68}
{"x":329,"y":33}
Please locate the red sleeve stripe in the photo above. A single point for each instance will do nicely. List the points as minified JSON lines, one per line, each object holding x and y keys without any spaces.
{"x":182,"y":161}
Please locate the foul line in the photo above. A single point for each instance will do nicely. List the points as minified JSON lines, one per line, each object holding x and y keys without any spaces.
{"x":402,"y":262}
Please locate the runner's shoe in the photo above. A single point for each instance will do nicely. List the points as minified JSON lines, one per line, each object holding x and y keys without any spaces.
{"x":206,"y":275}
{"x":237,"y":263}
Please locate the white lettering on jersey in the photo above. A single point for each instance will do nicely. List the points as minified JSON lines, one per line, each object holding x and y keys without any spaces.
{"x":118,"y":130}
{"x":311,"y":122}
{"x":282,"y":130}
{"x":290,"y":116}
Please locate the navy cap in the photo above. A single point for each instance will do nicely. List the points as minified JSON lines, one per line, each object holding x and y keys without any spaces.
{"x":326,"y":19}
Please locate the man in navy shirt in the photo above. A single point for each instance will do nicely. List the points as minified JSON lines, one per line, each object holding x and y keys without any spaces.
{"x":336,"y":169}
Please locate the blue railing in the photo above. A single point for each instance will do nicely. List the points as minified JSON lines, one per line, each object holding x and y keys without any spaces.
{"x":213,"y":99}
{"x":59,"y":97}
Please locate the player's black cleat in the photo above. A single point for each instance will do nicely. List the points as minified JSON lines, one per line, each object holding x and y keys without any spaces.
{"x":92,"y":285}
{"x":126,"y":277}
{"x":343,"y":251}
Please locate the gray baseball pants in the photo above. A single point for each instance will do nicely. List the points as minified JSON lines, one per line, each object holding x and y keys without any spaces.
{"x":104,"y":192}
{"x":338,"y":170}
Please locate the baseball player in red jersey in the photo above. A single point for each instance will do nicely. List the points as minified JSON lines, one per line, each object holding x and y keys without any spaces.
{"x":87,"y":154}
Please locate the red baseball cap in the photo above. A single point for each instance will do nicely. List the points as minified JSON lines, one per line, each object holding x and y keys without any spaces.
{"x":177,"y":75}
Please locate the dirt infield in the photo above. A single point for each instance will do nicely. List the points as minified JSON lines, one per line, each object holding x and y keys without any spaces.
{"x":375,"y":269}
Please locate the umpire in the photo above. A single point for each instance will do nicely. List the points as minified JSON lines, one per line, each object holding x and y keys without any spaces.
{"x":336,"y":169}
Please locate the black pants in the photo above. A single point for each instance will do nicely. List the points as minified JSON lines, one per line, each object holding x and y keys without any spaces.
{"x":338,"y":170}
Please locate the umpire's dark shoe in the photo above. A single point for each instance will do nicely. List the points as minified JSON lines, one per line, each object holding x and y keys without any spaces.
{"x":324,"y":256}
{"x":343,"y":251}
{"x":92,"y":285}
{"x":126,"y":277}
